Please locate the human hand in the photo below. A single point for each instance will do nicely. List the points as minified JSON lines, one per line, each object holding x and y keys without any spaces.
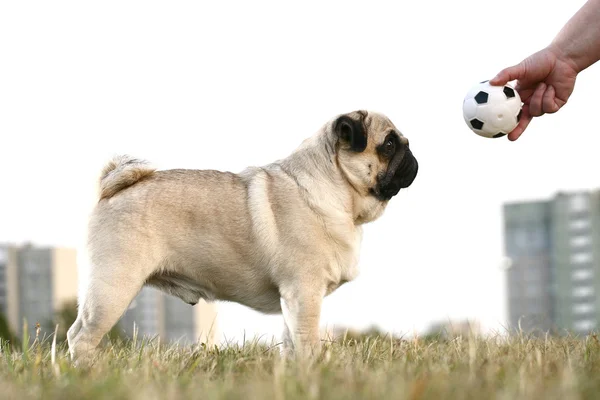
{"x":545,"y":80}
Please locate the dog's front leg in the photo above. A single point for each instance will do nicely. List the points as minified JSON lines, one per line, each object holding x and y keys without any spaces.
{"x":287,"y":343}
{"x":301,"y":308}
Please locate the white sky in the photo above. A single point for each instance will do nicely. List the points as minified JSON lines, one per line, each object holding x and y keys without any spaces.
{"x":224,"y":85}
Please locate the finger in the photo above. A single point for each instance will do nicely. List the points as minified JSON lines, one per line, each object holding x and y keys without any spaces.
{"x":507,"y":75}
{"x":549,"y":104}
{"x":525,"y":94}
{"x":535,"y":103}
{"x":523,"y":123}
{"x":525,"y":90}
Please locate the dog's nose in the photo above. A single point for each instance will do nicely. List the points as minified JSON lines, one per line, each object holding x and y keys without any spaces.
{"x":410,"y":173}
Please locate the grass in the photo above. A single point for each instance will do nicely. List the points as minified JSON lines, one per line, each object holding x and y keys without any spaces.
{"x":518,"y":367}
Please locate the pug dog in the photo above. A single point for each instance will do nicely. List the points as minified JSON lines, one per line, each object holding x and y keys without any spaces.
{"x":276,"y":238}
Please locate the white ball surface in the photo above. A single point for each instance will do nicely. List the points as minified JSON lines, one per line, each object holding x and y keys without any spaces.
{"x":492,"y":111}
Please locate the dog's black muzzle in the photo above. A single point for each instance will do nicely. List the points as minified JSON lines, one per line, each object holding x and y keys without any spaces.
{"x":401,"y":173}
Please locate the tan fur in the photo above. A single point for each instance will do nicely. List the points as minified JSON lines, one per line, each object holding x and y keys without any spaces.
{"x":120,"y":173}
{"x":277,"y":238}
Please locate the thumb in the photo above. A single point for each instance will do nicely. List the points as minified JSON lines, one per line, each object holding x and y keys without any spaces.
{"x":507,"y":75}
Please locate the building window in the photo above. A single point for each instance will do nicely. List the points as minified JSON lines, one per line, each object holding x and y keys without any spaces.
{"x":581,"y":258}
{"x":582,"y":274}
{"x":583,"y":291}
{"x":583,"y":308}
{"x":580,"y":241}
{"x":579,"y":224}
{"x":585,"y":325}
{"x":578,"y":203}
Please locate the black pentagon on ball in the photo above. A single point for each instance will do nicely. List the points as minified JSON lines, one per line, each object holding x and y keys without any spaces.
{"x":475,"y":123}
{"x":497,"y":135}
{"x":509,"y":92}
{"x":481,"y":98}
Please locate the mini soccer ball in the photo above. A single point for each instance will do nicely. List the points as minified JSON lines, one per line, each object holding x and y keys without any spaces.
{"x":492,"y":111}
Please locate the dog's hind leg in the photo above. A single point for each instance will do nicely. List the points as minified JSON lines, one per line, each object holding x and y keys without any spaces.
{"x":110,"y":291}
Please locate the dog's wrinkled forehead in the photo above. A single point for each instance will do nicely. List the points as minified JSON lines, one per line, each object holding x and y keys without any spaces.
{"x":378,"y":127}
{"x":364,"y":130}
{"x":373,"y":122}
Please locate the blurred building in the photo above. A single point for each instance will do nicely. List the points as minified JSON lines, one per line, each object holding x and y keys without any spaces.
{"x":34,"y":283}
{"x":156,"y":313}
{"x":452,"y":329}
{"x":3,"y":267}
{"x":554,"y":278}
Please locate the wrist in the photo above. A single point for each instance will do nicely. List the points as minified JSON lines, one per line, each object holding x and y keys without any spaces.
{"x":564,"y":53}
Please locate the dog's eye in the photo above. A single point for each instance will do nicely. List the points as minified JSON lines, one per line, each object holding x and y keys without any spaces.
{"x":389,"y":146}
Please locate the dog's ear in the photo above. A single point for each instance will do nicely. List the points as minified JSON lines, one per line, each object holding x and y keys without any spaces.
{"x":352,"y":130}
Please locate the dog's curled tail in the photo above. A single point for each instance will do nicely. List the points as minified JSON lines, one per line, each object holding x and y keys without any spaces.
{"x":120,"y":173}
